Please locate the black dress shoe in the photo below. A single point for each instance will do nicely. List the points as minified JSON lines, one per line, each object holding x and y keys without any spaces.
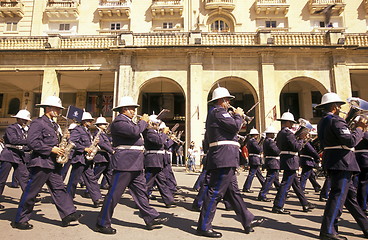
{"x":317,"y":190}
{"x":326,"y":236}
{"x":155,"y":222}
{"x":2,"y":206}
{"x":70,"y":218}
{"x":209,"y":233}
{"x":98,"y":203}
{"x":86,"y":195}
{"x":322,"y":199}
{"x":195,"y":208}
{"x":254,"y":223}
{"x":152,"y":197}
{"x":105,"y":230}
{"x":248,"y":191}
{"x":170,"y":205}
{"x":280,"y":210}
{"x":22,"y":226}
{"x":309,"y":207}
{"x":263,"y":199}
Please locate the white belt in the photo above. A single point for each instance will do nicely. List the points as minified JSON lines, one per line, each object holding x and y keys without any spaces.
{"x":19,"y":147}
{"x":254,"y":154}
{"x":362,"y":151}
{"x":307,"y":156}
{"x":155,"y":151}
{"x":140,"y":148}
{"x":340,"y":147}
{"x":225,"y":142}
{"x":272,"y":157}
{"x":289,"y":152}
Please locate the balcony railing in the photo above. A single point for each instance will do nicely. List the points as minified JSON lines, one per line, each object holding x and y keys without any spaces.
{"x":62,"y":9}
{"x":114,"y":8}
{"x":128,"y":39}
{"x":272,"y":6}
{"x":216,"y":4}
{"x":316,"y":5}
{"x":167,"y":7}
{"x":366,"y":6}
{"x":11,"y":9}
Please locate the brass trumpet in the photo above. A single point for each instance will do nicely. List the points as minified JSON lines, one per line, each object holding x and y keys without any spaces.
{"x":246,"y":118}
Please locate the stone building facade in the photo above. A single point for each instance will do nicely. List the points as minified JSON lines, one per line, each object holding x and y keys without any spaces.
{"x":284,"y":54}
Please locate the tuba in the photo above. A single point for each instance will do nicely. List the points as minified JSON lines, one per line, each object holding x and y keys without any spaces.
{"x":94,"y":146}
{"x":304,"y":127}
{"x":358,"y":111}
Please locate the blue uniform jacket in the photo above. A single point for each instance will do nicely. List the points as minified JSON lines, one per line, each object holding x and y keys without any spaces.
{"x":362,"y":157}
{"x":167,"y":144}
{"x":312,"y":160}
{"x":82,"y":139}
{"x":220,"y":126}
{"x":14,"y":136}
{"x":286,"y":141}
{"x":42,"y":137}
{"x":103,"y":155}
{"x":125,"y":132}
{"x":153,"y":141}
{"x":333,"y":131}
{"x":270,"y":149}
{"x":254,"y":148}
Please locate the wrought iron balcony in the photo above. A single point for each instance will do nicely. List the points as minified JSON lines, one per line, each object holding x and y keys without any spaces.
{"x":272,"y":6}
{"x":317,"y":5}
{"x":11,"y":9}
{"x":167,"y":7}
{"x":111,"y":8}
{"x":219,"y":4}
{"x":62,"y":9}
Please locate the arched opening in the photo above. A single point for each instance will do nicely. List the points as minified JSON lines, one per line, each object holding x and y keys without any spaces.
{"x":220,"y":23}
{"x":300,"y":96}
{"x":245,"y":97}
{"x":14,"y":106}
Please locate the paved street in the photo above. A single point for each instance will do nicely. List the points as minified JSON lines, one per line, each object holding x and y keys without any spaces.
{"x":182,"y":223}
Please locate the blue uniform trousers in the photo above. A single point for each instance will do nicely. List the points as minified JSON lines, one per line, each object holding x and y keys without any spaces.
{"x":254,"y":170}
{"x":170,"y":178}
{"x":156,"y":176}
{"x":85,"y":171}
{"x":325,"y":188}
{"x":222,"y":183}
{"x":289,"y":179}
{"x":199,"y":181}
{"x":20,"y":172}
{"x":53,"y":179}
{"x":307,"y":173}
{"x":198,"y":200}
{"x":271,"y":178}
{"x":137,"y":184}
{"x":342,"y":193}
{"x":103,"y":168}
{"x":363,"y":188}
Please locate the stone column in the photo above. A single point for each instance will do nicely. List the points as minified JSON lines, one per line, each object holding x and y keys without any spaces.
{"x":196,"y":103}
{"x":340,"y":78}
{"x":268,"y":96}
{"x":306,"y":104}
{"x":125,"y":85}
{"x":50,"y":85}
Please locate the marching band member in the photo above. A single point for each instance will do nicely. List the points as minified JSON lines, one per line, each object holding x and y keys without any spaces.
{"x":338,"y":143}
{"x":81,"y":167}
{"x":272,"y":163}
{"x":254,"y":160}
{"x":154,"y":162}
{"x":289,"y":146}
{"x":309,"y":158}
{"x":127,"y":164}
{"x":361,"y":154}
{"x":13,"y":155}
{"x":102,"y":158}
{"x":222,"y":161}
{"x":43,"y":139}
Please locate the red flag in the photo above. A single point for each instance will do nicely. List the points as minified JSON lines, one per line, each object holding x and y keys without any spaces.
{"x":274,"y":114}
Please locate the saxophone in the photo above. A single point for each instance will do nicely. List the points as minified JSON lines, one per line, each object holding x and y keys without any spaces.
{"x":66,"y":145}
{"x":94,"y":146}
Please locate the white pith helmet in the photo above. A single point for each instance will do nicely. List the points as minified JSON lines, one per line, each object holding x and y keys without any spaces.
{"x":162,"y":125}
{"x":125,"y":101}
{"x":270,"y":129}
{"x":330,"y":98}
{"x":253,"y":131}
{"x":287,"y":116}
{"x":219,"y":93}
{"x":153,"y":119}
{"x":51,"y":101}
{"x":87,"y":116}
{"x":72,"y":126}
{"x":23,"y":114}
{"x":101,"y":120}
